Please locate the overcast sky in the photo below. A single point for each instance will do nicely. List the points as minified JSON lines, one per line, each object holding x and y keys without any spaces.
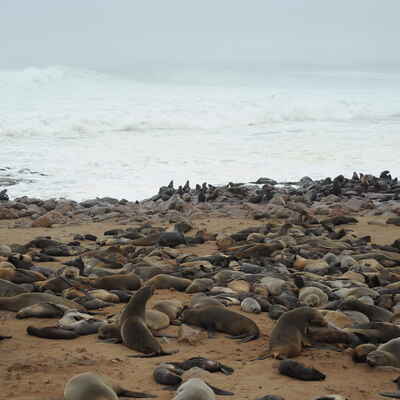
{"x":107,"y":34}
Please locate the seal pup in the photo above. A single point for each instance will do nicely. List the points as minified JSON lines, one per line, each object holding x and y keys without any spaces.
{"x":95,"y":387}
{"x":361,"y":352}
{"x":312,"y":296}
{"x":215,"y":318}
{"x":387,"y":354}
{"x":194,"y":389}
{"x":133,"y":329}
{"x":206,"y":364}
{"x":51,"y":332}
{"x":167,"y":374}
{"x":299,"y":371}
{"x":290,"y":332}
{"x":172,"y":308}
{"x":250,"y":305}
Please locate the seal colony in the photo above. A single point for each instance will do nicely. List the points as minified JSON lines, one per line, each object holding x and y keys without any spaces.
{"x":238,"y":273}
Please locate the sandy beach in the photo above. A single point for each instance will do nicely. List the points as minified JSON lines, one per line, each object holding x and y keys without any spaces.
{"x":33,"y":368}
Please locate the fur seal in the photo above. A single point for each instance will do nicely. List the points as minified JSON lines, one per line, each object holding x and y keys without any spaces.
{"x":15,"y":303}
{"x":215,"y":318}
{"x":290,"y":332}
{"x":202,"y":300}
{"x":200,"y":285}
{"x":194,"y":389}
{"x":206,"y":364}
{"x":117,"y":282}
{"x":376,"y":332}
{"x":299,"y":371}
{"x":164,"y":281}
{"x":42,"y":310}
{"x":250,"y":305}
{"x":387,"y":354}
{"x":134,"y":332}
{"x":167,"y":374}
{"x":374,"y":313}
{"x":312,"y":296}
{"x":361,"y":352}
{"x":156,"y":320}
{"x":95,"y":387}
{"x":83,"y":324}
{"x":51,"y":332}
{"x":172,"y":308}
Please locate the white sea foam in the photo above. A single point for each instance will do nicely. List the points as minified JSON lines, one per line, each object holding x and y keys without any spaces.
{"x":94,"y":134}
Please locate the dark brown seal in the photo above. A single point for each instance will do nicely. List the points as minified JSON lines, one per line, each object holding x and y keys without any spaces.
{"x":299,"y":371}
{"x":51,"y":332}
{"x":134,"y":332}
{"x":290,"y":333}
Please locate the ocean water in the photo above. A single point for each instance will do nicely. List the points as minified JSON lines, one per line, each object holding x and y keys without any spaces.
{"x":90,"y":134}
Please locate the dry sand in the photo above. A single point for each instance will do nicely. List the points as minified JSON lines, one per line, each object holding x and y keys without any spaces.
{"x":37,"y":369}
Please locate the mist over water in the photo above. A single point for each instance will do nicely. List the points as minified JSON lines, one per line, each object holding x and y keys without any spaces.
{"x":118,"y":100}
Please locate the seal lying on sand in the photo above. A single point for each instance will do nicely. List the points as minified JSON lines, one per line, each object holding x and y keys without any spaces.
{"x":214,"y":318}
{"x":15,"y":303}
{"x":42,"y":310}
{"x":194,"y":389}
{"x":387,"y":354}
{"x":51,"y":332}
{"x":297,"y":370}
{"x":95,"y":387}
{"x":290,"y":333}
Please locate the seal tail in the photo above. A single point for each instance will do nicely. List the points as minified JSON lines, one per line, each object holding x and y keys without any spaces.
{"x":394,"y":395}
{"x":136,"y":395}
{"x":220,"y":392}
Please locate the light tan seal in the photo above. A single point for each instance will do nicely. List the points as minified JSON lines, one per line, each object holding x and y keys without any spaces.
{"x":216,"y":318}
{"x":134,"y":332}
{"x":15,"y":303}
{"x":387,"y":354}
{"x":194,"y":389}
{"x":290,"y":333}
{"x":90,"y":386}
{"x":312,"y":296}
{"x":170,"y":307}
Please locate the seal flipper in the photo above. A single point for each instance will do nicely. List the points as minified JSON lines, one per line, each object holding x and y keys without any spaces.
{"x":111,"y":340}
{"x":5,"y":337}
{"x":164,"y":335}
{"x":149,"y":355}
{"x":393,"y":395}
{"x":249,"y":338}
{"x":226,"y":370}
{"x":220,"y":392}
{"x":136,"y":395}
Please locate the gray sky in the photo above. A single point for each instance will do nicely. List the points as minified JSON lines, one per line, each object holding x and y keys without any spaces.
{"x":118,"y":35}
